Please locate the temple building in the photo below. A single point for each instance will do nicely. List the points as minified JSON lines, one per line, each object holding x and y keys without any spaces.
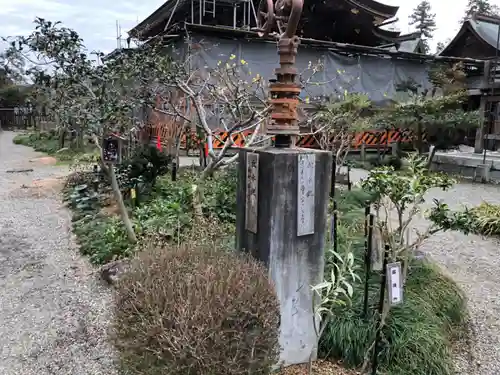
{"x":359,"y":22}
{"x":348,"y":36}
{"x":479,"y":38}
{"x":351,"y":39}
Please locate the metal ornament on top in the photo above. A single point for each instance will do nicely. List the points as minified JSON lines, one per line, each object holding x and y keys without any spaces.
{"x":284,"y":92}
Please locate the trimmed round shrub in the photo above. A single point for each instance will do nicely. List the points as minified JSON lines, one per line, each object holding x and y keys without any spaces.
{"x":190,"y":311}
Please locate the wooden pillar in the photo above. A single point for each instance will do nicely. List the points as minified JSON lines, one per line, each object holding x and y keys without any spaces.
{"x":480,"y":133}
{"x":483,"y":121}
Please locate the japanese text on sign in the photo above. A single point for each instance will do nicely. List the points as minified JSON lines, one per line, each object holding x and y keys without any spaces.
{"x":252,"y":190}
{"x":305,"y":195}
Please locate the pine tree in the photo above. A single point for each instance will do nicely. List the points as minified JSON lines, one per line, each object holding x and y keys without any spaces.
{"x":439,"y":47}
{"x":480,"y":6}
{"x":424,"y":21}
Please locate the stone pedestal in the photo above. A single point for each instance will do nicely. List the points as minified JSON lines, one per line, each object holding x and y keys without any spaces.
{"x":281,"y":219}
{"x":482,"y":173}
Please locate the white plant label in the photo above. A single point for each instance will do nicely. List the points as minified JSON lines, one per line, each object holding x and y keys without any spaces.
{"x":395,"y":283}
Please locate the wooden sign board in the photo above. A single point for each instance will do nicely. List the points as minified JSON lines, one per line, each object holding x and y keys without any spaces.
{"x":252,"y":192}
{"x":111,"y":150}
{"x":395,"y":283}
{"x":305,"y":194}
{"x":377,"y":250}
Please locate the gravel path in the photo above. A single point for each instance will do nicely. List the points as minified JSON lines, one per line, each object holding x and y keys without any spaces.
{"x":474,"y":263}
{"x":53,"y":311}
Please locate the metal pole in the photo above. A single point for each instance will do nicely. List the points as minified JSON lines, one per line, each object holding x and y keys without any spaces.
{"x":334,"y":178}
{"x":490,"y":114}
{"x":333,"y":234}
{"x":368,"y":255}
{"x":381,"y":303}
{"x":349,"y":184}
{"x":284,"y":91}
{"x":174,"y":170}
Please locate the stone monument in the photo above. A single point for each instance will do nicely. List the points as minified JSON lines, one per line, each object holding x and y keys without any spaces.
{"x":282,"y":201}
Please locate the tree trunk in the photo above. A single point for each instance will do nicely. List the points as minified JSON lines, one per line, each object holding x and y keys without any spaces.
{"x":62,"y":137}
{"x":121,"y":205}
{"x":420,"y":145}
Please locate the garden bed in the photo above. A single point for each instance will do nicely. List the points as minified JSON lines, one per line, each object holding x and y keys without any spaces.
{"x":418,"y":336}
{"x":49,"y":143}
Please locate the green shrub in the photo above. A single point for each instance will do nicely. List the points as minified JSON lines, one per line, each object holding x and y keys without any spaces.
{"x":142,"y":169}
{"x":416,"y":338}
{"x":165,"y":216}
{"x":48,"y":143}
{"x":220,"y":196}
{"x":103,"y":239}
{"x":483,"y":219}
{"x":40,"y":141}
{"x":162,"y":218}
{"x":188,"y":311}
{"x":385,"y":161}
{"x":487,"y":219}
{"x":219,"y":193}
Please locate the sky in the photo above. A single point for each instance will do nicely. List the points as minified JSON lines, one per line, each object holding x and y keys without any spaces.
{"x":95,"y":20}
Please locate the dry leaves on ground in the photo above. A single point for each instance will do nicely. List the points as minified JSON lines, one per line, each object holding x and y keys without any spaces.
{"x":319,"y":368}
{"x":45,"y":160}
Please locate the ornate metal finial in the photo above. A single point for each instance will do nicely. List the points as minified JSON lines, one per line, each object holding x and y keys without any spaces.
{"x":284,"y":92}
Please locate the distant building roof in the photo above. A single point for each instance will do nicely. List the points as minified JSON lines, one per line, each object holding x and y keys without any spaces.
{"x":383,"y":10}
{"x":415,"y":45}
{"x":411,"y":43}
{"x":477,"y":38}
{"x":367,"y":14}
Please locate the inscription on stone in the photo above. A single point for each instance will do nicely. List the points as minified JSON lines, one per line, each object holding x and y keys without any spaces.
{"x":252,"y":192}
{"x":305,"y":197}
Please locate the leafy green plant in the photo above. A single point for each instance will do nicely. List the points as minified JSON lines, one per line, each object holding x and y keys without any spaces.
{"x":196,"y":310}
{"x":483,"y":219}
{"x":163,"y":219}
{"x":48,"y":142}
{"x":82,"y":198}
{"x":220,"y":196}
{"x":399,"y":199}
{"x":337,"y":287}
{"x":40,"y":141}
{"x":417,"y":334}
{"x":141,"y":170}
{"x":166,"y":216}
{"x":103,"y":239}
{"x":386,"y":160}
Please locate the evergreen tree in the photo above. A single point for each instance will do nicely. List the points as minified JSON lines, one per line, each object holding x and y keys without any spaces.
{"x":424,"y":21}
{"x":480,"y":6}
{"x":442,"y":45}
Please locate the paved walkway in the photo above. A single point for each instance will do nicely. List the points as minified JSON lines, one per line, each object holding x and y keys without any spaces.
{"x":53,"y":313}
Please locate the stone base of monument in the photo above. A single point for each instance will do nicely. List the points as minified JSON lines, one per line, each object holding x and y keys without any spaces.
{"x":281,"y":219}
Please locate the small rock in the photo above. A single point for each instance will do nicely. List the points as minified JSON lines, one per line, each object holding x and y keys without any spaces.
{"x":113,"y":271}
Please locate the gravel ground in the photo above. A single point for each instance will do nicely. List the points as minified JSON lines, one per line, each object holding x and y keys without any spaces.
{"x":474,"y":263}
{"x":53,"y":311}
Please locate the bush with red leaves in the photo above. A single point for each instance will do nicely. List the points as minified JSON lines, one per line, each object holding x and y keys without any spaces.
{"x":196,"y":311}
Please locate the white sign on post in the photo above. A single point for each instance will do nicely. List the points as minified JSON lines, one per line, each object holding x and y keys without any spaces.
{"x":377,"y":250}
{"x":305,"y":195}
{"x":252,"y":192}
{"x":395,"y":283}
